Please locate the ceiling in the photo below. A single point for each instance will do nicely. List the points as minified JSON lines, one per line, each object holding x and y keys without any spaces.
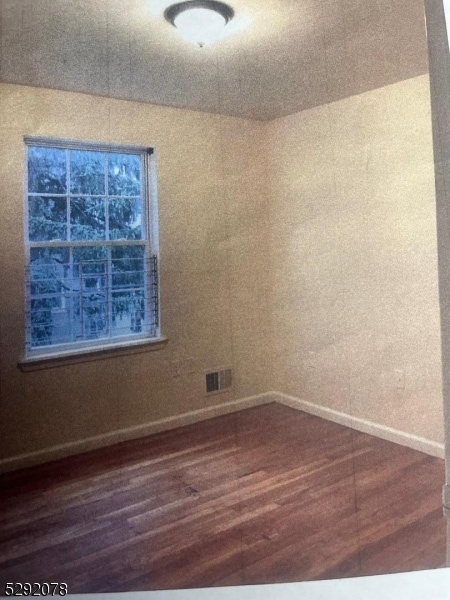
{"x":279,"y":56}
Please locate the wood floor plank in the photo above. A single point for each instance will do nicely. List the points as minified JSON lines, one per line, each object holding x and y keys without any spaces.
{"x":265,"y":495}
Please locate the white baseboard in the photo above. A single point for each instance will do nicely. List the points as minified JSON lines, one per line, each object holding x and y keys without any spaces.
{"x":130,"y":433}
{"x":100,"y":441}
{"x":381,"y":431}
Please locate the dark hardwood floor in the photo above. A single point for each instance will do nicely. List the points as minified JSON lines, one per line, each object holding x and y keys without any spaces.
{"x":266,"y":495}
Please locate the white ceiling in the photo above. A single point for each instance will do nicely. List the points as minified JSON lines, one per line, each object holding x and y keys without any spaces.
{"x":279,"y":57}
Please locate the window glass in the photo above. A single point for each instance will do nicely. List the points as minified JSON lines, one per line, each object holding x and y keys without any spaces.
{"x":87,"y":218}
{"x":124,"y":175}
{"x":125,"y":218}
{"x":91,"y":276}
{"x":87,"y":172}
{"x":47,"y":172}
{"x":47,"y":218}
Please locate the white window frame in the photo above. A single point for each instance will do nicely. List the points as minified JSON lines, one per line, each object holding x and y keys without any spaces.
{"x":135,"y":342}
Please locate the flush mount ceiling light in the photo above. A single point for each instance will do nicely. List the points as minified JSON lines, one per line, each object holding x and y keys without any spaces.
{"x":200,"y":21}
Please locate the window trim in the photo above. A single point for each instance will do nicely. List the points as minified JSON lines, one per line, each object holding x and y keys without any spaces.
{"x":58,"y":354}
{"x":82,"y":355}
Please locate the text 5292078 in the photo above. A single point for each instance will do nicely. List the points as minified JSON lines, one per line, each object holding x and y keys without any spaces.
{"x":36,"y":589}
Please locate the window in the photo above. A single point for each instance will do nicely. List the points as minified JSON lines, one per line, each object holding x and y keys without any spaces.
{"x":91,"y":275}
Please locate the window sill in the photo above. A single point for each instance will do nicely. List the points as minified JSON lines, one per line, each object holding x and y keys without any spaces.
{"x":69,"y":357}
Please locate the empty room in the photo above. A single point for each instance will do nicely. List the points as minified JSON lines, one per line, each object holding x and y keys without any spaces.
{"x":220,"y":321}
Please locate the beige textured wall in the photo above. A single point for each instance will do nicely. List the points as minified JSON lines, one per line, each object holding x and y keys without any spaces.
{"x":301,"y":252}
{"x":354,"y":269}
{"x":212,"y":206}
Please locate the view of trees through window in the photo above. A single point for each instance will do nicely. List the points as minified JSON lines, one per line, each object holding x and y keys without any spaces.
{"x":90,"y":273}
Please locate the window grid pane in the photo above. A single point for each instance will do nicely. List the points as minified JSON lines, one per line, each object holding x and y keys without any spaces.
{"x":81,"y":292}
{"x":85,"y":301}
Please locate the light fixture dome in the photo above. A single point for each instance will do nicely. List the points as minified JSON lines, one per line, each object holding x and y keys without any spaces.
{"x":199,"y":21}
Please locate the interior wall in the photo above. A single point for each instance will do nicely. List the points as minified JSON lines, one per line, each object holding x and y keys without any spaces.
{"x":212,"y":197}
{"x":354,"y":273}
{"x":300,"y":252}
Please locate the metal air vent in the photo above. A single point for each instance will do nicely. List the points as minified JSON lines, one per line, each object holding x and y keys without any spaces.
{"x":217,"y":381}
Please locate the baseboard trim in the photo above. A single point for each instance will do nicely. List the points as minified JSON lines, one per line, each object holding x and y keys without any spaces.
{"x":100,"y":441}
{"x":381,"y":431}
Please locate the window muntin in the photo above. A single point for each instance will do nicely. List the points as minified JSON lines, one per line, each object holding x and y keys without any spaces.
{"x":91,"y":276}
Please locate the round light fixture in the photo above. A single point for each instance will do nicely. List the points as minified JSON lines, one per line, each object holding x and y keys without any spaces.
{"x":200,"y":21}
